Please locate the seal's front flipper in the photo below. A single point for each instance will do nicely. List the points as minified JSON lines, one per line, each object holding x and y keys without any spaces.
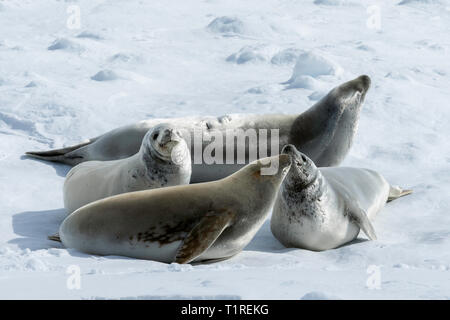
{"x":359,"y":216}
{"x":396,"y":192}
{"x":203,"y":235}
{"x":54,"y":237}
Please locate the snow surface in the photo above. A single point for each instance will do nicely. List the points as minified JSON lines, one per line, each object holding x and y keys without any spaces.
{"x":133,"y":60}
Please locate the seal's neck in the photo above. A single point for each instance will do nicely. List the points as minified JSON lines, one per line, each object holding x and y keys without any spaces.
{"x":318,"y":122}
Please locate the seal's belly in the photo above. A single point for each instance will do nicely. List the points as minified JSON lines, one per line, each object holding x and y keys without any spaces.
{"x":365,"y":186}
{"x":316,"y":226}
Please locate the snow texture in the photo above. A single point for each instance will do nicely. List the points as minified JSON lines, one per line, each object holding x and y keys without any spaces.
{"x":132,"y":60}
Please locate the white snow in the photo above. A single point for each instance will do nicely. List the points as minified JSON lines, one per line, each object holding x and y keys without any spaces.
{"x":169,"y":59}
{"x":254,"y":53}
{"x":227,"y":25}
{"x":309,"y":69}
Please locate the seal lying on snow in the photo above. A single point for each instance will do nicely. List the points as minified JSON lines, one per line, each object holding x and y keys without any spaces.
{"x":197,"y":222}
{"x":324,"y":132}
{"x":324,"y":209}
{"x":163,"y":160}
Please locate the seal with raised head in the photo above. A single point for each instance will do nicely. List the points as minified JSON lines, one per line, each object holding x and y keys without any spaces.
{"x":197,"y":222}
{"x":324,"y":132}
{"x":320,"y":209}
{"x":163,"y":160}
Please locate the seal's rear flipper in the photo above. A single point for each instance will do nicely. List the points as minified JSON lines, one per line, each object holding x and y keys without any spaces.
{"x":396,"y":192}
{"x":203,"y":235}
{"x":359,"y":216}
{"x":67,"y":155}
{"x":54,"y":237}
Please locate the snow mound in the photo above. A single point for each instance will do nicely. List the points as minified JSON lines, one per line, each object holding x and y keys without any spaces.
{"x":31,"y":84}
{"x":105,"y":75}
{"x":14,"y":123}
{"x":89,"y":35}
{"x":64,"y":44}
{"x":305,"y":82}
{"x":310,"y":66}
{"x":334,"y":2}
{"x":429,"y":45}
{"x":260,"y":26}
{"x":257,"y":90}
{"x":401,"y":266}
{"x":403,"y":2}
{"x":174,"y":297}
{"x":364,"y":47}
{"x":314,"y":65}
{"x":121,"y":57}
{"x":317,"y":295}
{"x":252,"y":53}
{"x":226,"y":25}
{"x":34,"y":264}
{"x":286,"y":57}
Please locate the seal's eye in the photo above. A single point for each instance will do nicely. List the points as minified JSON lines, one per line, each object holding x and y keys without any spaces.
{"x":155,"y":136}
{"x":303,"y":158}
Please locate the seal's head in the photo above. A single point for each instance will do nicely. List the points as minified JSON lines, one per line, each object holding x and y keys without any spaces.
{"x":165,"y":142}
{"x":264,"y":175}
{"x":351,"y":94}
{"x":303,"y":171}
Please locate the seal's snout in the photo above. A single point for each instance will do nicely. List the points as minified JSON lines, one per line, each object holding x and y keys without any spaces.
{"x":356,"y":88}
{"x":288,"y":149}
{"x":363,"y":83}
{"x":169,"y":135}
{"x":296,"y":156}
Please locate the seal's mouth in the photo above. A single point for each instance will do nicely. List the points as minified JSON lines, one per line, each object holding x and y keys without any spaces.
{"x":165,"y":150}
{"x":169,"y":145}
{"x":300,"y":161}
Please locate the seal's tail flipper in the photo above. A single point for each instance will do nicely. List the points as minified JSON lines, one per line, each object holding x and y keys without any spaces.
{"x":396,"y":192}
{"x":67,"y":155}
{"x":54,"y":237}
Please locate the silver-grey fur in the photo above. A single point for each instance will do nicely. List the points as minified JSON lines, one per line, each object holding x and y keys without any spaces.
{"x":324,"y":132}
{"x":197,"y":222}
{"x":320,"y":209}
{"x":163,"y":160}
